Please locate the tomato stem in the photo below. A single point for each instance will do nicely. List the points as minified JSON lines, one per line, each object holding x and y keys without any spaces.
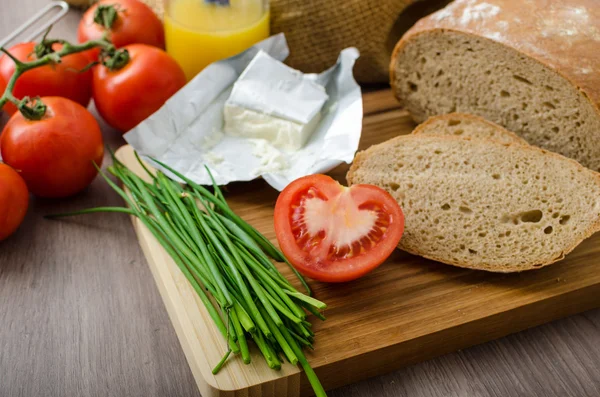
{"x":115,"y":60}
{"x":35,"y":110}
{"x":11,"y":56}
{"x":32,"y":109}
{"x":106,"y":15}
{"x":45,"y":46}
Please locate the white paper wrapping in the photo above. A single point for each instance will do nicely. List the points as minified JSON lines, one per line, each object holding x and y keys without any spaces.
{"x":283,"y":91}
{"x":186,"y":132}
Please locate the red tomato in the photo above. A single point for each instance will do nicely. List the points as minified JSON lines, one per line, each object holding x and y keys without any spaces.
{"x":14,"y":200}
{"x":62,"y":79}
{"x":126,"y":96}
{"x":54,"y":155}
{"x":135,"y":23}
{"x":333,"y":233}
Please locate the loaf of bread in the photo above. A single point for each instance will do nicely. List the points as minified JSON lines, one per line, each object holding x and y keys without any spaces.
{"x":482,"y":204}
{"x":467,"y":126}
{"x":531,"y":66}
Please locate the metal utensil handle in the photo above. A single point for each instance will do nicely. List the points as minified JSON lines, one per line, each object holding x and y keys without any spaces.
{"x":63,"y":9}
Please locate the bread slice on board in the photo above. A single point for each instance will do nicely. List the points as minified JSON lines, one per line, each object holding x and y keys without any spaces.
{"x":467,"y":126}
{"x":482,"y":204}
{"x":531,"y":66}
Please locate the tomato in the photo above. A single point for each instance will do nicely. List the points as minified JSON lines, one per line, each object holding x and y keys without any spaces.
{"x":14,"y":200}
{"x":62,"y":79}
{"x":126,"y":96}
{"x":54,"y":155}
{"x":333,"y":233}
{"x":135,"y":23}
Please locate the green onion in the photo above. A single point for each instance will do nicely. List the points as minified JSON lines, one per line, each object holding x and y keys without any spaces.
{"x":264,"y":242}
{"x":223,"y":256}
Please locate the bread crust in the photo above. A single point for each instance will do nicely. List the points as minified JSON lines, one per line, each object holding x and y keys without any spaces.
{"x":449,"y":116}
{"x":563,"y":36}
{"x":362,"y":156}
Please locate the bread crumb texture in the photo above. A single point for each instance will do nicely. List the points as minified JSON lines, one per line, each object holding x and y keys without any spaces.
{"x":483,"y":204}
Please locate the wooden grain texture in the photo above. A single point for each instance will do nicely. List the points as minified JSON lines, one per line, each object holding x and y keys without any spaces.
{"x":80,"y":314}
{"x":408,"y":310}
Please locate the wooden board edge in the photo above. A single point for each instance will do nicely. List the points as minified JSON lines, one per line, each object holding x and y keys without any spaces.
{"x":450,"y":340}
{"x":205,"y":388}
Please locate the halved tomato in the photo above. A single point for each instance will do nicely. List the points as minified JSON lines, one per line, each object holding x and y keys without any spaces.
{"x":334,"y":233}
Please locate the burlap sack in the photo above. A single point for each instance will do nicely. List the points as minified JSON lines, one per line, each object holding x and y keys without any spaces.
{"x":317,"y":30}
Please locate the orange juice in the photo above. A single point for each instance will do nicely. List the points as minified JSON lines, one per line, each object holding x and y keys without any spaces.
{"x":198,"y":33}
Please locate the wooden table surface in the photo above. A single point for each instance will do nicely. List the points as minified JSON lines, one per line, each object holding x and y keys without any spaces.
{"x":80,"y":315}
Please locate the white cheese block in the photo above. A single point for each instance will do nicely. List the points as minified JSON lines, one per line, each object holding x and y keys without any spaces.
{"x":274,"y":102}
{"x":283,"y":134}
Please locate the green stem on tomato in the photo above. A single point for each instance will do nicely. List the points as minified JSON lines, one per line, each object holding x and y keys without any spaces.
{"x":34,"y":109}
{"x":106,"y":15}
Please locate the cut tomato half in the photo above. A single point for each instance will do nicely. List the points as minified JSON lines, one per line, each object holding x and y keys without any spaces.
{"x":334,"y":233}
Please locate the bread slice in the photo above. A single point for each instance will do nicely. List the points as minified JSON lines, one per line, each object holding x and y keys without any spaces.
{"x":531,"y":66}
{"x":482,"y":204}
{"x":467,"y":125}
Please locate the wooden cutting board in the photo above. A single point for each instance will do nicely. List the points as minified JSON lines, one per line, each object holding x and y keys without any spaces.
{"x":408,"y":310}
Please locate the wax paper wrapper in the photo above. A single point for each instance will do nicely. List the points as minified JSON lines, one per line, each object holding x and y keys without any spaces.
{"x":186,"y":132}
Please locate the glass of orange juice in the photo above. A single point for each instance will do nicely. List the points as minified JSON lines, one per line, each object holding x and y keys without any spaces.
{"x":199,"y":32}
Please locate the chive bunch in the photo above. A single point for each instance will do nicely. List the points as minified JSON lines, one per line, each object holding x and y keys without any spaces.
{"x":227,"y":262}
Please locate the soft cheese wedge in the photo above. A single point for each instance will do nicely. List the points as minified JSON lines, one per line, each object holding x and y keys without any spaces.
{"x":483,"y":204}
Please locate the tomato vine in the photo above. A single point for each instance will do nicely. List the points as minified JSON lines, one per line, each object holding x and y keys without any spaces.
{"x":34,"y":108}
